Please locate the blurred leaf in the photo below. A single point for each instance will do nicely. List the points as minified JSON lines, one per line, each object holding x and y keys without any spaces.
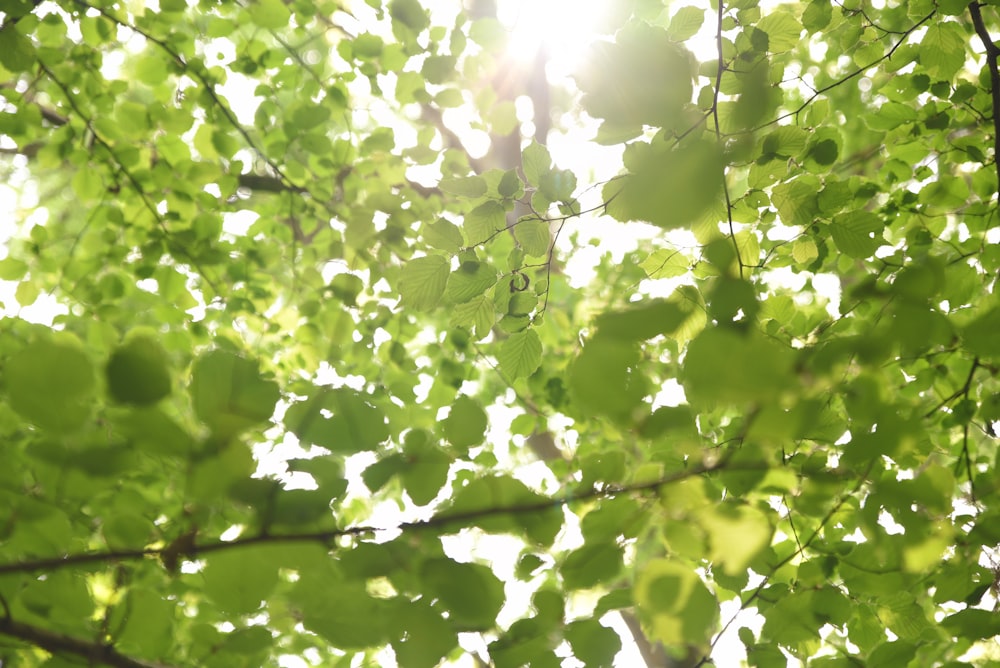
{"x":51,"y":383}
{"x":229,"y":393}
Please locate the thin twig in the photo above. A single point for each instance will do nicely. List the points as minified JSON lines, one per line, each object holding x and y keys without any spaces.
{"x":139,"y":190}
{"x":706,"y":658}
{"x":850,"y":75}
{"x":718,"y":133}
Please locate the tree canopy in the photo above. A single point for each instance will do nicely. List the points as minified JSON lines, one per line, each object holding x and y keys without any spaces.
{"x":351,"y":359}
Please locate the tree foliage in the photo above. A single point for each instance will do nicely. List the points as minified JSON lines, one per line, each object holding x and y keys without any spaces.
{"x":304,"y":400}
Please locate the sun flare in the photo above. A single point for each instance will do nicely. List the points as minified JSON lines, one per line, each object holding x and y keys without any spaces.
{"x":563,"y":28}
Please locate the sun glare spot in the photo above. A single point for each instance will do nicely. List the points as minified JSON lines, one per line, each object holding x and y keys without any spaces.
{"x":564,"y":28}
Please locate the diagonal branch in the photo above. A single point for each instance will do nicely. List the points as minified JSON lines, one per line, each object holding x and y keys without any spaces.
{"x":801,"y":548}
{"x":850,"y":75}
{"x":57,"y":643}
{"x":132,"y":179}
{"x":209,"y":88}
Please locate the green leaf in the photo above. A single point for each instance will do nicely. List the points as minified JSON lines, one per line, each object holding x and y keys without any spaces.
{"x":410,"y":13}
{"x":783,"y":31}
{"x":270,"y":14}
{"x":665,"y":263}
{"x":592,"y":643}
{"x":590,"y":565}
{"x":438,"y":69}
{"x":723,"y":365}
{"x":341,"y":611}
{"x":489,"y":33}
{"x":477,"y":315}
{"x":533,"y":236}
{"x":17,"y":53}
{"x":12,"y":269}
{"x":642,"y":321}
{"x":669,"y":187}
{"x":677,"y":606}
{"x":483,"y":222}
{"x":466,"y":424}
{"x":426,"y":472}
{"x":238,"y":581}
{"x":510,"y":185}
{"x":804,"y":250}
{"x":980,"y":335}
{"x":464,"y":186}
{"x":471,"y":279}
{"x":429,"y":638}
{"x":137,"y":370}
{"x":443,"y":235}
{"x":310,"y":116}
{"x":423,"y":281}
{"x":229,"y":394}
{"x":616,"y":78}
{"x":51,"y":383}
{"x":796,"y":200}
{"x":605,"y":380}
{"x":470,"y":592}
{"x":857,"y":233}
{"x":817,"y":15}
{"x":972,"y":623}
{"x":942,"y":49}
{"x":340,"y":420}
{"x":148,"y":628}
{"x":737,"y":535}
{"x":88,"y":184}
{"x":520,"y":354}
{"x":476,"y":504}
{"x":685,"y":23}
{"x":535,"y":162}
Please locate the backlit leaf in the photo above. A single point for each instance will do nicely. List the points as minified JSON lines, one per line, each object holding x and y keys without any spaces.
{"x":51,"y":383}
{"x":857,"y":233}
{"x":677,"y":606}
{"x":423,"y":281}
{"x":471,"y":592}
{"x":465,"y":425}
{"x":229,"y":393}
{"x":520,"y":354}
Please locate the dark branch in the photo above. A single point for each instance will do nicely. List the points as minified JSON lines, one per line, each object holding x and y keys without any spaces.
{"x":193,"y":549}
{"x":451,"y":140}
{"x":992,"y":52}
{"x":57,"y":644}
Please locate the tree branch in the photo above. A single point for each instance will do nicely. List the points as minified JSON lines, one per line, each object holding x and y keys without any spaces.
{"x":850,"y":75}
{"x":652,"y":653}
{"x":992,"y":52}
{"x":191,"y":549}
{"x":57,"y":643}
{"x":801,"y":548}
{"x":208,"y":86}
